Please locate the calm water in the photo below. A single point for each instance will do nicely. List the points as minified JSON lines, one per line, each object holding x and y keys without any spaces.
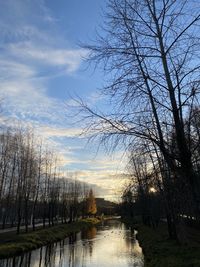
{"x":111,"y":244}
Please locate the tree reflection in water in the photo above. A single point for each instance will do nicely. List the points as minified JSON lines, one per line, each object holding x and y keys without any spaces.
{"x":89,"y":235}
{"x":112,"y":244}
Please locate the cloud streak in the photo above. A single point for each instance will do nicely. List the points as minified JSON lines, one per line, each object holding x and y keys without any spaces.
{"x":33,"y":55}
{"x":69,"y":59}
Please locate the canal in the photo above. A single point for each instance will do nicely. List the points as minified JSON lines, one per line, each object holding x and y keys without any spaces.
{"x":110,"y":244}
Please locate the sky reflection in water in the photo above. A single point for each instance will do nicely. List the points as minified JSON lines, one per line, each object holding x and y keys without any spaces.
{"x":108,"y":245}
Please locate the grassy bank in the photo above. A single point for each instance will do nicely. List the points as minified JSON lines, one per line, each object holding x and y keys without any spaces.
{"x":12,"y":244}
{"x":160,"y":251}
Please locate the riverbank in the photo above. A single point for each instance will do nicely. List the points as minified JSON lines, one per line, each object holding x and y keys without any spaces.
{"x":159,"y":250}
{"x":12,"y":244}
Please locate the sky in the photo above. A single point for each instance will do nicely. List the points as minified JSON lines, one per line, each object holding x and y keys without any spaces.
{"x":42,"y":69}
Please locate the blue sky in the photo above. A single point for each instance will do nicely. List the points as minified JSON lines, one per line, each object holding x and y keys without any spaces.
{"x":41,"y":67}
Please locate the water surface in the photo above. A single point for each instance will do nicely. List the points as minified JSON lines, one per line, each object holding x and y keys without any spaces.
{"x":110,"y":244}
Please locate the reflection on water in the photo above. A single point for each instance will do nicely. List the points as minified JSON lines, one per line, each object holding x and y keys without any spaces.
{"x":108,"y":245}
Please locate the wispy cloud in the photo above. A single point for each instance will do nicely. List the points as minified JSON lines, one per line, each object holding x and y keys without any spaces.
{"x":11,"y":70}
{"x":110,"y":181}
{"x":65,"y":132}
{"x":33,"y":54}
{"x":70,"y":59}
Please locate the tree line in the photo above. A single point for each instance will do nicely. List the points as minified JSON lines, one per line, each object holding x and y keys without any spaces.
{"x":149,"y":50}
{"x":32,"y":187}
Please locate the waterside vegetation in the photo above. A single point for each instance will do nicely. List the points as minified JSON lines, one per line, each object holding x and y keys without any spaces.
{"x":12,"y":244}
{"x":159,"y":250}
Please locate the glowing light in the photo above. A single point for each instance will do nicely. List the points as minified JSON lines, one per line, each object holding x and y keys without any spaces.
{"x":152,"y":190}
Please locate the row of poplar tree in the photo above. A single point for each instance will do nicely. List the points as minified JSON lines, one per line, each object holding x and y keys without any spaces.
{"x":32,"y":187}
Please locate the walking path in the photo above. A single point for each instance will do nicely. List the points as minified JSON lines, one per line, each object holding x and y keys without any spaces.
{"x":14,"y":229}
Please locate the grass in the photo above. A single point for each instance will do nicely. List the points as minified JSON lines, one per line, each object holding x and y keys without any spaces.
{"x":160,"y":251}
{"x":12,"y":244}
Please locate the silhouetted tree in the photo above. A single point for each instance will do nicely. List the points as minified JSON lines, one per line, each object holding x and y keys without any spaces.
{"x":149,"y":49}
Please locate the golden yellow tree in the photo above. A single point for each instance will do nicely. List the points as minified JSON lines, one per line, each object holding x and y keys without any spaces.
{"x":91,"y":203}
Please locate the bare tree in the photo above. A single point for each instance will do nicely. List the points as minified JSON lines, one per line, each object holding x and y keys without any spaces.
{"x":32,"y":188}
{"x":149,"y":49}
